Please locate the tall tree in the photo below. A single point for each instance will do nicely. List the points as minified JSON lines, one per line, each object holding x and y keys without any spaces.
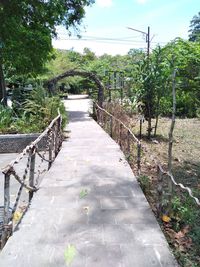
{"x":26,"y":29}
{"x":195,"y":29}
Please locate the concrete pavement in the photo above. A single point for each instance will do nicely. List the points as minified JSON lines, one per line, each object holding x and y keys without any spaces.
{"x":90,"y":210}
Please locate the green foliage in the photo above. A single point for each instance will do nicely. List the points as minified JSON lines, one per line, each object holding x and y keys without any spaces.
{"x":27,"y":125}
{"x":147,"y":81}
{"x":145,"y":183}
{"x":18,"y":100}
{"x":26,"y":30}
{"x":6,"y":118}
{"x":195,"y":29}
{"x":185,"y":210}
{"x":40,"y":109}
{"x":35,"y":115}
{"x":185,"y":57}
{"x":185,"y":213}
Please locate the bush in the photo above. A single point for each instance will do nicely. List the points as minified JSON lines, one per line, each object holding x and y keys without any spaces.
{"x":39,"y":111}
{"x":6,"y":119}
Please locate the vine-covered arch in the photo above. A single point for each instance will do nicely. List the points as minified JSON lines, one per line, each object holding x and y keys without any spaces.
{"x":86,"y":74}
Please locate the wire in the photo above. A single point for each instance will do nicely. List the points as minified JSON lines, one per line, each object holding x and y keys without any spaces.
{"x":106,"y":40}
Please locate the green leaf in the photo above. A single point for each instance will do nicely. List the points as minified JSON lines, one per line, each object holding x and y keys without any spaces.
{"x":69,"y":254}
{"x":83,"y":193}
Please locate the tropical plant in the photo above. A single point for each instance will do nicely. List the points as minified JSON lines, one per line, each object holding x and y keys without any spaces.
{"x":41,"y":109}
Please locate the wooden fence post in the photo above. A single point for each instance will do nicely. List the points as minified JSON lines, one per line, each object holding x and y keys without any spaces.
{"x":31,"y":171}
{"x":128,"y":145}
{"x":140,"y":128}
{"x":120,"y":135}
{"x":111,"y":126}
{"x":160,"y":189}
{"x":6,"y":216}
{"x":139,"y":157}
{"x":56,"y":141}
{"x":51,"y":140}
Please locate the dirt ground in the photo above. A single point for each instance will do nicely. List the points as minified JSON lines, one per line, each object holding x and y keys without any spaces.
{"x":186,"y":149}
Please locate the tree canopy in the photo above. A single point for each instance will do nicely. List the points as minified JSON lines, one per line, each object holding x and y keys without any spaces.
{"x":26,"y":30}
{"x":195,"y":29}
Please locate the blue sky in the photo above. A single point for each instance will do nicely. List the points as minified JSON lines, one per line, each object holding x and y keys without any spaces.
{"x":109,"y":19}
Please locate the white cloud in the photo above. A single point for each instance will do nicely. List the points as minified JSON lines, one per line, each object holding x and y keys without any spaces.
{"x":104,"y":3}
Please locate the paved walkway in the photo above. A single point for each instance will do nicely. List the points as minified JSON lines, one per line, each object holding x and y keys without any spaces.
{"x":89,"y":209}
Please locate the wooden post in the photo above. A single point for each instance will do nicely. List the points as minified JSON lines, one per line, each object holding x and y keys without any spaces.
{"x":170,"y":184}
{"x":111,"y":126}
{"x":128,"y":145}
{"x":110,"y":95}
{"x":98,"y":114}
{"x":6,"y":216}
{"x":121,"y":95}
{"x":140,"y":128}
{"x":120,"y":134}
{"x":50,"y":149}
{"x":100,"y":118}
{"x":56,"y":143}
{"x":160,"y":189}
{"x":139,"y":158}
{"x":31,"y":171}
{"x":93,"y":109}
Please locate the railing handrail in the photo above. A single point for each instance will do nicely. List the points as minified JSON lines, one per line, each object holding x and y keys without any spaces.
{"x":53,"y":141}
{"x":127,"y":128}
{"x":153,"y":158}
{"x":31,"y":146}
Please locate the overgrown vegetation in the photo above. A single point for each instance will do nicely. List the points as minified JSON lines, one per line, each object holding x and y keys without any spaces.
{"x":35,"y":113}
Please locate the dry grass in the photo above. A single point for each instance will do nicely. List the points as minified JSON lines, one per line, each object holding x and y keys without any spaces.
{"x":186,"y":145}
{"x":186,"y":149}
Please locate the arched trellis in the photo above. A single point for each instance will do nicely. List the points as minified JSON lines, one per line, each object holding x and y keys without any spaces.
{"x":86,"y":74}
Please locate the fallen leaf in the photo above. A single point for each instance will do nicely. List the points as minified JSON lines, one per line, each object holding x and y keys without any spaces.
{"x":17,"y":216}
{"x":69,"y":254}
{"x":83,"y":193}
{"x":166,"y":218}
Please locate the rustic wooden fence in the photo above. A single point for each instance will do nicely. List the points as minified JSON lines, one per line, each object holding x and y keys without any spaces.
{"x":46,"y":148}
{"x":134,"y":151}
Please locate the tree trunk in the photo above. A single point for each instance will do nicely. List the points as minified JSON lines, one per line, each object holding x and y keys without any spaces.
{"x":156,"y":125}
{"x":157,"y":117}
{"x":3,"y":96}
{"x":170,"y":183}
{"x":149,"y":129}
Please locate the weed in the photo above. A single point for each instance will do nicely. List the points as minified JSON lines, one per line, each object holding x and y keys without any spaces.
{"x":144,"y":183}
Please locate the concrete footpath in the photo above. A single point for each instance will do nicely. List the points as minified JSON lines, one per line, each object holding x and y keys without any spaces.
{"x":89,"y":211}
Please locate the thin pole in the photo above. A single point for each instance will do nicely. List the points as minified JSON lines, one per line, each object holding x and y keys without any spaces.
{"x":148,"y":41}
{"x":32,"y":171}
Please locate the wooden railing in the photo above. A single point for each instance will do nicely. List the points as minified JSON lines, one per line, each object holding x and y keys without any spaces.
{"x":45,"y":148}
{"x":134,"y":150}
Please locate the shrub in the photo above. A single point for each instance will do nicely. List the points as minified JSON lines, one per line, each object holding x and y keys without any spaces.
{"x":36,"y":114}
{"x":6,"y":118}
{"x":39,"y":111}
